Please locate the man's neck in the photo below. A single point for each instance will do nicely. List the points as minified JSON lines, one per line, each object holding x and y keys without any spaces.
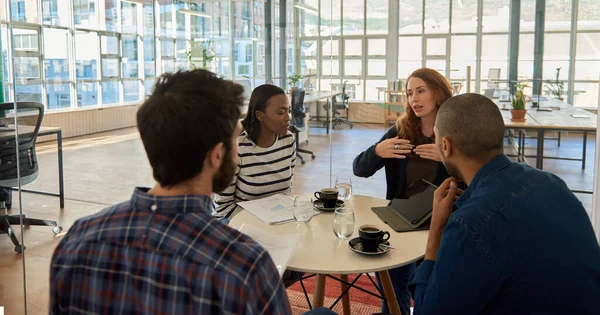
{"x":473,"y":167}
{"x":185,"y":188}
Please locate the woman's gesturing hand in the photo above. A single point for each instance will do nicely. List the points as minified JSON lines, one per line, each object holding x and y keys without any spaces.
{"x":393,"y":148}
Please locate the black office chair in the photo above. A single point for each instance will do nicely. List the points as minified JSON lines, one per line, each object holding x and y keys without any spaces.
{"x":28,"y":167}
{"x":297,"y":125}
{"x":341,"y":104}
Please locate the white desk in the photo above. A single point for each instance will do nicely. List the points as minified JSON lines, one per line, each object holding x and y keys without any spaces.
{"x":321,"y":252}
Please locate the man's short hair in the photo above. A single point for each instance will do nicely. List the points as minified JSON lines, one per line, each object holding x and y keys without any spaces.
{"x":473,"y":123}
{"x":188,"y":113}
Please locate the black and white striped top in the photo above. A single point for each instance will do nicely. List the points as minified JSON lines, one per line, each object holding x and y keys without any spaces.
{"x":261,"y":172}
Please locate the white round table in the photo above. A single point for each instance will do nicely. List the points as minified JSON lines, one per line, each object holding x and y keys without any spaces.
{"x":322,"y":253}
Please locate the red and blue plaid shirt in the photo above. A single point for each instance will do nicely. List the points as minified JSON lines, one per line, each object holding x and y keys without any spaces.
{"x":162,"y":255}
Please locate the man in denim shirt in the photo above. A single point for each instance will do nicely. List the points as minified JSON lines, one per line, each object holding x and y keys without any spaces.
{"x":518,"y":241}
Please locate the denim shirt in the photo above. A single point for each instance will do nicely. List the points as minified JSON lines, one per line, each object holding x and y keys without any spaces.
{"x":519,"y":242}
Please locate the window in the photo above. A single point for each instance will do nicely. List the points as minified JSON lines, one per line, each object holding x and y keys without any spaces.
{"x":377,"y":19}
{"x":411,"y":16}
{"x":131,"y":90}
{"x":436,"y":16}
{"x":87,"y":94}
{"x":129,"y":60}
{"x":111,"y":17}
{"x":589,"y":16}
{"x":56,"y":62}
{"x":496,"y":16}
{"x":330,"y":17}
{"x":129,"y":18}
{"x":166,"y":18}
{"x":18,"y":11}
{"x":148,"y":20}
{"x":149,"y":70}
{"x":354,"y":17}
{"x":110,"y":92}
{"x":242,"y":18}
{"x":464,"y":16}
{"x":84,"y":13}
{"x":308,"y":19}
{"x":86,"y":55}
{"x":58,"y":95}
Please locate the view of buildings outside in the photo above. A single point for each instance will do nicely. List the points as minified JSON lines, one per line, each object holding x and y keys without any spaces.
{"x":110,"y":51}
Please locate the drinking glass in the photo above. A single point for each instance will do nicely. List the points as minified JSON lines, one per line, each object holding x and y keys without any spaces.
{"x":303,"y":208}
{"x":344,"y":186}
{"x":343,"y":222}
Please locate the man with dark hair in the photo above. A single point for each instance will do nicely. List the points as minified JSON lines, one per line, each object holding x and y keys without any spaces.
{"x":518,"y":241}
{"x":161,"y":252}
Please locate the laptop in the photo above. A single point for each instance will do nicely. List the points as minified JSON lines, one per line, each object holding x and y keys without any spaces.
{"x":412,"y":213}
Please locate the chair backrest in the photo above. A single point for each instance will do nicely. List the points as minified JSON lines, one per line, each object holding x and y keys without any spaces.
{"x":493,"y":77}
{"x":29,"y":120}
{"x":298,"y":111}
{"x":457,"y":86}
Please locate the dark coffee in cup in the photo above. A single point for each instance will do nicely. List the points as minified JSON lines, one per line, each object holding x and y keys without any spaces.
{"x":328,"y":196}
{"x":371,"y":236}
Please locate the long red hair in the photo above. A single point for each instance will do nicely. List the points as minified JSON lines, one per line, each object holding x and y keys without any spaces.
{"x":409,"y":125}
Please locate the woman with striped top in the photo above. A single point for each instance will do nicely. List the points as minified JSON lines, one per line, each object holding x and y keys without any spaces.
{"x":266,"y":152}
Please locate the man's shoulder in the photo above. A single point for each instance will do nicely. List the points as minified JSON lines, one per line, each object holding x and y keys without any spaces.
{"x":91,"y":224}
{"x":509,"y":194}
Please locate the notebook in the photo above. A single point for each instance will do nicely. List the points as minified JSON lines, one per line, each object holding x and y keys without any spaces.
{"x":280,"y":247}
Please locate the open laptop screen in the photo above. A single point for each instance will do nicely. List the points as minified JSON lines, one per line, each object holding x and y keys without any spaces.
{"x":418,"y":202}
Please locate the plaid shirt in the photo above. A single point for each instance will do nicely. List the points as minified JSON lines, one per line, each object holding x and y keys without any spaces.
{"x":162,"y":255}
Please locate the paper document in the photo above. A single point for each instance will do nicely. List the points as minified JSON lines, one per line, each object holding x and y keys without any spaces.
{"x":280,"y":247}
{"x":273,"y":209}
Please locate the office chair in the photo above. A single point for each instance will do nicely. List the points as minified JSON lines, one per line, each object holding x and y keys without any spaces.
{"x":457,"y":87}
{"x":298,"y":114}
{"x":340,"y":105}
{"x":28,"y":167}
{"x":493,"y":78}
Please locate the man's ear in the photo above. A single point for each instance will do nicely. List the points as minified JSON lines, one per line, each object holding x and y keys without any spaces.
{"x":447,"y":147}
{"x":215,"y":156}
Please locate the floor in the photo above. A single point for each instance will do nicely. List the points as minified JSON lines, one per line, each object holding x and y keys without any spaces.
{"x":103,"y":169}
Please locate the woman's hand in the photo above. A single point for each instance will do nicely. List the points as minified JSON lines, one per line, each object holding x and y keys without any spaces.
{"x":428,"y":151}
{"x":393,"y":148}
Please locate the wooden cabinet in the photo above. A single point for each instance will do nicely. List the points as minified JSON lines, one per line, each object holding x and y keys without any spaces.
{"x":393,"y":105}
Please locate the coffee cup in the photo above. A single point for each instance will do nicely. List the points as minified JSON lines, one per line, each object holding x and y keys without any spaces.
{"x":371,"y":236}
{"x":328,"y":196}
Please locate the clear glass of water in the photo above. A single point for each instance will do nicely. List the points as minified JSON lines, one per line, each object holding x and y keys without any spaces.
{"x":343,"y":222}
{"x":344,"y":186}
{"x":303,"y":208}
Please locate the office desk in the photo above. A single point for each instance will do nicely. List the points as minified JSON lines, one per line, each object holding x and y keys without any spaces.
{"x":6,"y":133}
{"x":562,"y":118}
{"x":315,"y":97}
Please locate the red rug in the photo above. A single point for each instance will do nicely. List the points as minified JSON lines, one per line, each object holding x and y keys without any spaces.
{"x":333,"y":290}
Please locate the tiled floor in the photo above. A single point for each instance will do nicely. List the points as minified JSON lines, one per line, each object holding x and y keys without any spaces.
{"x":103,"y":169}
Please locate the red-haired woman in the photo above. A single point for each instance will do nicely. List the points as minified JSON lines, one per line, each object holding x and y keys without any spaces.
{"x":408,"y":153}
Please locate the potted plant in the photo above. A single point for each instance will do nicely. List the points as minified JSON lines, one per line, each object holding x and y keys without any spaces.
{"x":556,"y":86}
{"x":294,"y":79}
{"x":519,"y":103}
{"x":207,"y":53}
